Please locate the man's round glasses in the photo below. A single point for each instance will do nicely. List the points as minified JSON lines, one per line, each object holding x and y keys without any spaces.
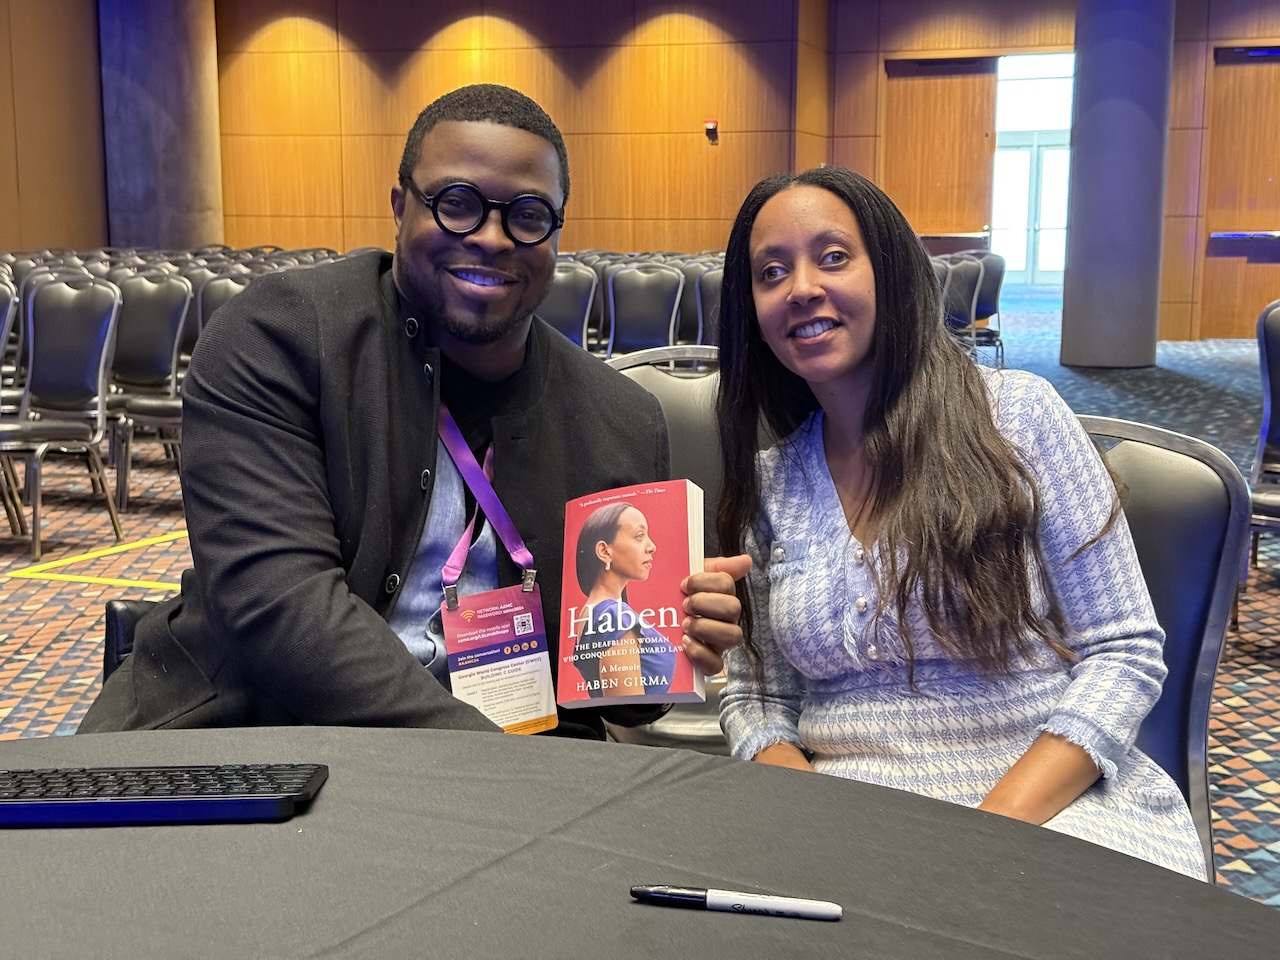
{"x":461,"y":209}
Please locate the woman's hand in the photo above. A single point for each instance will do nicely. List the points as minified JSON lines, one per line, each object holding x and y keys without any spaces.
{"x":712,"y":611}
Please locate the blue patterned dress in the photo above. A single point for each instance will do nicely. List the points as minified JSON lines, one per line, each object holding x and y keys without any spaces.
{"x":834,"y":679}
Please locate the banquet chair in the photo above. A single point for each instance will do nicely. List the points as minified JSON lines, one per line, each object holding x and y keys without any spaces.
{"x":567,"y":305}
{"x":709,"y":285}
{"x":1187,"y":507}
{"x":687,"y":396}
{"x":986,"y":330}
{"x":960,"y":299}
{"x":1264,"y":475}
{"x":642,"y":306}
{"x":149,"y":338}
{"x":689,"y":323}
{"x":214,"y":293}
{"x":119,"y":623}
{"x":70,"y":338}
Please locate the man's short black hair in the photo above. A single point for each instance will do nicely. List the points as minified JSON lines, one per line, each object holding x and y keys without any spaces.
{"x":485,"y":101}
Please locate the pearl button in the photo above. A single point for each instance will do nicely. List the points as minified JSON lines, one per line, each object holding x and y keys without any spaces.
{"x":411,"y":326}
{"x":779,"y":553}
{"x":426,"y":479}
{"x":860,"y":604}
{"x":859,"y":556}
{"x":873,"y":653}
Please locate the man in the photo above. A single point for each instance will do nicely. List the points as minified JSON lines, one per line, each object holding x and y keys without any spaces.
{"x":320,"y":503}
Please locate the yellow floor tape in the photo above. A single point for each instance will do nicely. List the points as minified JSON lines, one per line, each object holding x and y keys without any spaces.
{"x":41,"y":571}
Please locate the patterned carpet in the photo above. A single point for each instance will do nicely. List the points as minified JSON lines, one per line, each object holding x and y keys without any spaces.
{"x":51,"y":612}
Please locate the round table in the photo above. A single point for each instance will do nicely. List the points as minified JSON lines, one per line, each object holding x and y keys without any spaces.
{"x":428,"y":843}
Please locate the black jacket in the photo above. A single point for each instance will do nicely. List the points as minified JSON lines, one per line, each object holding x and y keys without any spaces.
{"x":309,"y":443}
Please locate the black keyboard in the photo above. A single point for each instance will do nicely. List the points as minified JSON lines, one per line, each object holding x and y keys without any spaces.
{"x":105,"y":796}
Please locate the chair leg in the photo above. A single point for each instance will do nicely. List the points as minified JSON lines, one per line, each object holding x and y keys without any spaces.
{"x":12,"y":500}
{"x":34,"y":465}
{"x":111,"y":503}
{"x":122,"y":446}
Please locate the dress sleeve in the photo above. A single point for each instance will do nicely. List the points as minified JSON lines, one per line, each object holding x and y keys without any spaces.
{"x":267,"y":559}
{"x":761,"y":704}
{"x":1110,"y":622}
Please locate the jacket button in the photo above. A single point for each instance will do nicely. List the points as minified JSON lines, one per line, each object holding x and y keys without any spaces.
{"x":393,"y":582}
{"x":426,"y":479}
{"x":428,"y":370}
{"x":411,"y":326}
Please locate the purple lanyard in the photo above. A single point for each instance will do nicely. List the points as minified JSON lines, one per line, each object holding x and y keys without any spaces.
{"x":477,"y":480}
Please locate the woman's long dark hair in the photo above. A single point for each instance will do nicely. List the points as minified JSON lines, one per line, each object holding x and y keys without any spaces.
{"x":603,"y":524}
{"x":952,"y":502}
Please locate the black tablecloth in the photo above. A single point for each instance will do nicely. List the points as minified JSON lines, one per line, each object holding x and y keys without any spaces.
{"x":434,"y":844}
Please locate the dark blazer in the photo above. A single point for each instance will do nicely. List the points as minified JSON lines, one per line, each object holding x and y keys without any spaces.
{"x":309,"y":444}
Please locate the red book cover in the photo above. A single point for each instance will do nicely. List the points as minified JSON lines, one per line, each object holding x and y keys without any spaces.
{"x":625,"y":553}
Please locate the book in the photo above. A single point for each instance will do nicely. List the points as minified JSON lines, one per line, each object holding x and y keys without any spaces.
{"x":626,"y":551}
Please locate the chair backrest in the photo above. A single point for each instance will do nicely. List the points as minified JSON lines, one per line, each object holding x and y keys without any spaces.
{"x":643,"y":305}
{"x":988,"y":303}
{"x":153,"y":313}
{"x":119,"y":624}
{"x":218,"y":291}
{"x":567,"y":305}
{"x":687,"y":395}
{"x":1188,"y":509}
{"x":709,"y":285}
{"x":960,"y":294}
{"x":1267,"y":458}
{"x":70,"y":339}
{"x":689,"y":322}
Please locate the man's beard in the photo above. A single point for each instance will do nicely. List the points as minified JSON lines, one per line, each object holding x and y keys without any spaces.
{"x":464,"y":327}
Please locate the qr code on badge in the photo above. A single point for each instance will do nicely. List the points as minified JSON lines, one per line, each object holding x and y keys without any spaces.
{"x":523,"y":624}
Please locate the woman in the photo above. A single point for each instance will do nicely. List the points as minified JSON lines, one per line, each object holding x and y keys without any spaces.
{"x":617,"y":653}
{"x":944,"y":597}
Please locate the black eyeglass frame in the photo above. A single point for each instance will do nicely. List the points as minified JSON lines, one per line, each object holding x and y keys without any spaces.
{"x":486,"y":206}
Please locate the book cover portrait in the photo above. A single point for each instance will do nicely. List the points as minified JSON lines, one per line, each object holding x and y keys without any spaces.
{"x":626,"y":553}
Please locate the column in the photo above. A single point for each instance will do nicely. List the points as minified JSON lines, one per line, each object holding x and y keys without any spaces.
{"x":1111,"y":291}
{"x":160,"y":120}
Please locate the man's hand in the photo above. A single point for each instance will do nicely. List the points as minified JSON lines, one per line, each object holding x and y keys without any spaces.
{"x":712,"y":611}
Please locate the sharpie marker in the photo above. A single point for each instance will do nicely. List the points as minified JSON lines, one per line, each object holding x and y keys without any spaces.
{"x":732,"y":901}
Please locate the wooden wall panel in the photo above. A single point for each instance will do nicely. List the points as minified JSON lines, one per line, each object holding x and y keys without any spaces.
{"x":1239,"y":19}
{"x":966,"y":25}
{"x":57,"y":108}
{"x":1175,"y":322}
{"x":813,"y":91}
{"x":603,"y":177}
{"x":10,"y":224}
{"x":1243,"y":187}
{"x":1191,"y":20}
{"x":813,"y":23}
{"x":811,"y":151}
{"x":1178,"y":260}
{"x":675,"y":22}
{"x":1186,"y":88}
{"x":274,"y":94}
{"x":855,"y":95}
{"x":1182,"y":174}
{"x":368,"y":232}
{"x":369,"y":168}
{"x":304,"y":26}
{"x":598,"y":235}
{"x":855,"y":26}
{"x":1234,"y":292}
{"x":939,"y":148}
{"x":690,"y":235}
{"x":630,"y":85}
{"x":856,"y":153}
{"x":289,"y":232}
{"x":282,"y":176}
